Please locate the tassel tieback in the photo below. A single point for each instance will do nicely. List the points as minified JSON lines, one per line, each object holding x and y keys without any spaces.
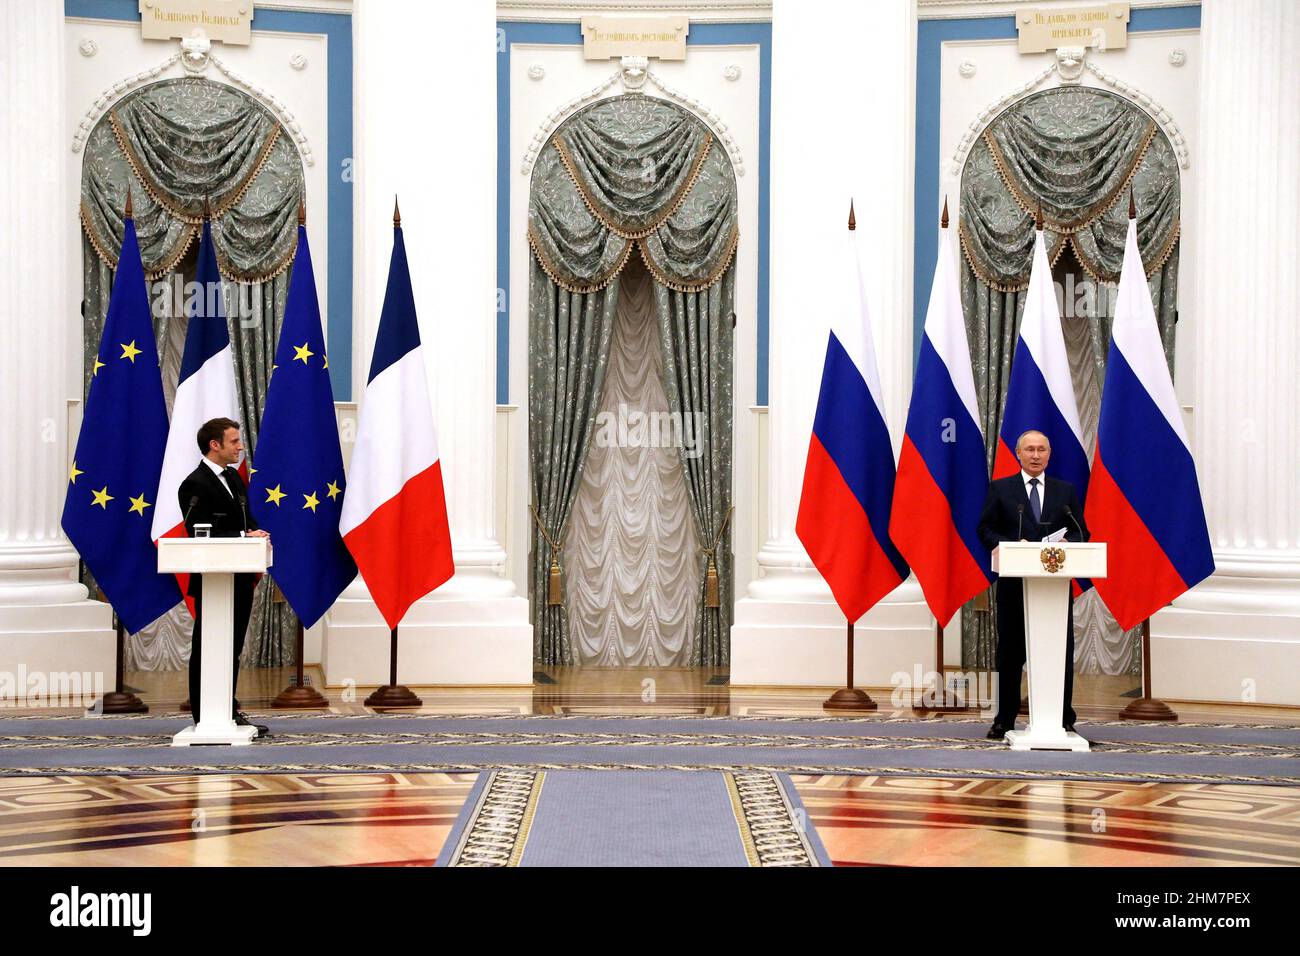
{"x":555,"y":577}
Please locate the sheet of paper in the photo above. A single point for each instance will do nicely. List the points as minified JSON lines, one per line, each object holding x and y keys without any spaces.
{"x":1056,"y":535}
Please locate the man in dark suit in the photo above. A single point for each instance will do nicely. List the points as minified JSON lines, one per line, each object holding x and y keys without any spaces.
{"x":214,"y":494}
{"x":1027,"y":506}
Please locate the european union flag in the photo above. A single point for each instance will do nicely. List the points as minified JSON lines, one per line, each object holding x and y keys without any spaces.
{"x":296,"y":491}
{"x":113,"y":485}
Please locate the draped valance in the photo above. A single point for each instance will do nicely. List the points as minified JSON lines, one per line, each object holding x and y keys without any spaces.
{"x":175,"y":142}
{"x":633,"y":171}
{"x":1077,"y":151}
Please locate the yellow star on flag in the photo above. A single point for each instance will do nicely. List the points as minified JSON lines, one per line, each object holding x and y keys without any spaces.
{"x":102,"y":497}
{"x":251,"y":470}
{"x":75,"y":472}
{"x":273,"y":496}
{"x":327,"y":361}
{"x":272,"y":372}
{"x":302,"y":352}
{"x":333,"y":491}
{"x":98,"y":366}
{"x":312,"y":502}
{"x":130,"y":351}
{"x":139,"y":504}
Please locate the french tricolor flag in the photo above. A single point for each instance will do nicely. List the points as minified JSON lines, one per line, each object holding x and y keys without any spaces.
{"x":394,"y":517}
{"x":848,"y":482}
{"x":942,"y":471}
{"x":1040,"y":395}
{"x":205,"y":390}
{"x":1145,"y":500}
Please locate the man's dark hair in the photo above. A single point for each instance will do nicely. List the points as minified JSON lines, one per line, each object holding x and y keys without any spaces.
{"x":214,"y":431}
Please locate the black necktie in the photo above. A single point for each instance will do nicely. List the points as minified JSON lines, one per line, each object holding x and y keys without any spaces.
{"x":232,"y":481}
{"x":1035,"y":504}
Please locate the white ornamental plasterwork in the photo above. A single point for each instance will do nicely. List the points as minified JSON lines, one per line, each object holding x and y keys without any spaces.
{"x":1158,"y":112}
{"x":558,"y":116}
{"x":193,"y":57}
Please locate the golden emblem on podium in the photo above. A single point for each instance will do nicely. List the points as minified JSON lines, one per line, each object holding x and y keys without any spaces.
{"x":1053,"y":559}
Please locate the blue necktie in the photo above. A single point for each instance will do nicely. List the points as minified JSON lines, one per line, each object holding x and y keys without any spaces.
{"x":1035,"y":505}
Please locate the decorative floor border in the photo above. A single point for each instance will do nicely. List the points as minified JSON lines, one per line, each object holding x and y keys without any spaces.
{"x":967,"y":772}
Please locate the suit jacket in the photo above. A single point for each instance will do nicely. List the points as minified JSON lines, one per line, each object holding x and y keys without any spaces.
{"x":1000,"y":520}
{"x":215,"y":506}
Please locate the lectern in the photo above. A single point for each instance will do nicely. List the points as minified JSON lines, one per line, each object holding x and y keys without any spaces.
{"x":1047,"y":568}
{"x":218,"y":560}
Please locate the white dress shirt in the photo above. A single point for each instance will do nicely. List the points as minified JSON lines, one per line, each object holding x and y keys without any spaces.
{"x":220,"y":473}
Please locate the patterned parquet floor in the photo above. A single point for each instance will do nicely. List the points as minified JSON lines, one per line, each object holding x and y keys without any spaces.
{"x":403,"y":819}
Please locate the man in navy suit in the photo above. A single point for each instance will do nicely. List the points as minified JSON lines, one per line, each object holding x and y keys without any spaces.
{"x":1027,"y":506}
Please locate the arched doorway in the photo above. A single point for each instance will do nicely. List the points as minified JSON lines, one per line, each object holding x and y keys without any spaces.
{"x":177,"y":144}
{"x":632,"y":175}
{"x":1080,"y":152}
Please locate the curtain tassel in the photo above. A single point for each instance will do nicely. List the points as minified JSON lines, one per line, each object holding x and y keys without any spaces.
{"x":555,"y":583}
{"x":711,"y":585}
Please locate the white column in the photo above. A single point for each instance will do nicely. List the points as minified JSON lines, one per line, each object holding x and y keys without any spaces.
{"x":426,"y":130}
{"x":1237,"y":635}
{"x":788,"y":630}
{"x":46,"y":623}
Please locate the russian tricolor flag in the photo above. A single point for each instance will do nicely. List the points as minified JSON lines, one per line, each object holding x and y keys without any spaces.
{"x":205,"y":390}
{"x":1145,"y":500}
{"x":942,"y":471}
{"x":394,"y":518}
{"x":1040,"y":395}
{"x":848,"y":483}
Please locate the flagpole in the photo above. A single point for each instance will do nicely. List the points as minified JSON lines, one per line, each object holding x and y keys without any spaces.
{"x":298,"y":694}
{"x":393,"y":694}
{"x":120,"y":700}
{"x":941,"y":705}
{"x":1147,"y":707}
{"x":849,"y":697}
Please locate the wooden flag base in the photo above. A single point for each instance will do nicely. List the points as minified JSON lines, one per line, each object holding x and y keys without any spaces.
{"x":393,"y":694}
{"x":298,"y":694}
{"x":1147,"y":707}
{"x":120,"y":701}
{"x":849,"y":697}
{"x":941,"y":691}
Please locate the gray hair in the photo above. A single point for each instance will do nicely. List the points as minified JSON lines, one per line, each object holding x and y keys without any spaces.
{"x":1032,"y":431}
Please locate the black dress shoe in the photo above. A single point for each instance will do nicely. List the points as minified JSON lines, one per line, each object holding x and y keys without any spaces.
{"x":997,"y":732}
{"x":242,"y":720}
{"x":1069,"y":728}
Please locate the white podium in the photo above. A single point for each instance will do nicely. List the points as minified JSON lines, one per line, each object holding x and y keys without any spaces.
{"x":217,"y":559}
{"x":1047,"y":569}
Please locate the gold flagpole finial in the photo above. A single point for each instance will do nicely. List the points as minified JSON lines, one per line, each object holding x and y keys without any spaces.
{"x":853,"y":220}
{"x":127,"y":211}
{"x":397,"y":214}
{"x":1038,"y":220}
{"x":943,"y":219}
{"x":302,"y":211}
{"x":1132,"y":206}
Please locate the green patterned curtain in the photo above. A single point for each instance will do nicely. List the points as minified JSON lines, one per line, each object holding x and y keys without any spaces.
{"x":174,"y":143}
{"x":1079,"y":152}
{"x":630,"y":171}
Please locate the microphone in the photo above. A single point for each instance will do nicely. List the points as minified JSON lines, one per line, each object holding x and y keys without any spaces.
{"x":1070,"y":514}
{"x":243,"y":509}
{"x":190,"y":507}
{"x":1020,"y":520}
